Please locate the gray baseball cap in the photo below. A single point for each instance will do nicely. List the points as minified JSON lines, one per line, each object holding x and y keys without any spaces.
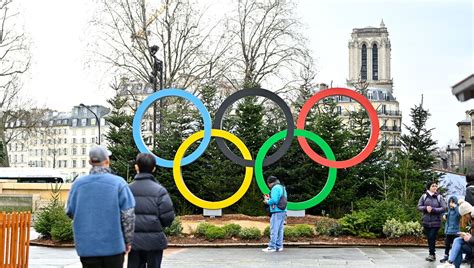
{"x":98,"y":154}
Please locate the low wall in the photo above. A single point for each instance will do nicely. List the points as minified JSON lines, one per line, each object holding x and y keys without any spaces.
{"x":18,"y":202}
{"x":40,"y":191}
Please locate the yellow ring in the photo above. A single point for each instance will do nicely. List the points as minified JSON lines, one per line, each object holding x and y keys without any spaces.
{"x":178,"y":178}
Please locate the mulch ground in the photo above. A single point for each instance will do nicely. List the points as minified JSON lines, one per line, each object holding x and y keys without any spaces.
{"x":317,"y":241}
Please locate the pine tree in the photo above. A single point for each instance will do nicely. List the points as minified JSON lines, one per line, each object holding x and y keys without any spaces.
{"x":120,"y":138}
{"x":418,"y":149}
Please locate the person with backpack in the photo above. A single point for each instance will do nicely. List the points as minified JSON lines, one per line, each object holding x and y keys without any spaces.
{"x":154,"y":211}
{"x":277,"y":201}
{"x":433,"y":206}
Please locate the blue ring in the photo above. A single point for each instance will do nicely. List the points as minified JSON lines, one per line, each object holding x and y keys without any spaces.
{"x":147,"y":102}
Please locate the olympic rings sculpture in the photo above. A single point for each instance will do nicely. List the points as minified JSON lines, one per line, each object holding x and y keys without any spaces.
{"x":255,"y":166}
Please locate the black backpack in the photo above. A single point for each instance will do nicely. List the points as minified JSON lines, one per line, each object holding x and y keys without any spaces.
{"x":283,"y":200}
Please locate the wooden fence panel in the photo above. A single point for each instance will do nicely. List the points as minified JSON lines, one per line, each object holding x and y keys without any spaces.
{"x":14,"y":239}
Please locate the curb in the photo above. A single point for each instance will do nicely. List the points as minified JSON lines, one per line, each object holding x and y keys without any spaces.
{"x":40,"y":244}
{"x":300,"y":245}
{"x":254,"y":245}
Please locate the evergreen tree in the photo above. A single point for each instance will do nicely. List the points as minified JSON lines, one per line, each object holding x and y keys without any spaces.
{"x":370,"y":174}
{"x":120,"y":138}
{"x":250,"y":129}
{"x":416,"y":156}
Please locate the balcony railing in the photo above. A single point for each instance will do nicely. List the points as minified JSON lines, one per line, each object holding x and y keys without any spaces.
{"x":388,"y":112}
{"x":390,"y":128}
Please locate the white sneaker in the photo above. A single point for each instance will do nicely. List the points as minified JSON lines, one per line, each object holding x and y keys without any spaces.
{"x":446,"y":265}
{"x":279,"y":249}
{"x":269,"y":249}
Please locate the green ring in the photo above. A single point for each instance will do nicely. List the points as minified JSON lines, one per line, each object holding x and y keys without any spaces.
{"x":331,"y":180}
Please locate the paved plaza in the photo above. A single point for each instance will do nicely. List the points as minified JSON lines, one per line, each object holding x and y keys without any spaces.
{"x":254,"y":257}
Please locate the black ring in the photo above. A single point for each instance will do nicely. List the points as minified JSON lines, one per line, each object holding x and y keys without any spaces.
{"x":254,"y":92}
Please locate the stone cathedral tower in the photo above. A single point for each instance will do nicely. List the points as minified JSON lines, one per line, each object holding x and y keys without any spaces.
{"x":369,"y":57}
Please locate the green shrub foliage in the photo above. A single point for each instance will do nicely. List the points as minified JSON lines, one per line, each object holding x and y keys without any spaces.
{"x":327,"y":226}
{"x":52,"y":222}
{"x":251,"y":233}
{"x":394,"y":228}
{"x":62,"y":230}
{"x":201,"y":229}
{"x":291,"y":233}
{"x":176,"y":228}
{"x":232,"y":229}
{"x":305,"y":230}
{"x":215,"y":232}
{"x":266,"y":232}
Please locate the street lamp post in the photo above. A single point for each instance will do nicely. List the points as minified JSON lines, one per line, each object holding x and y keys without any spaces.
{"x":157,"y":69}
{"x":96,"y":117}
{"x":462,"y":144}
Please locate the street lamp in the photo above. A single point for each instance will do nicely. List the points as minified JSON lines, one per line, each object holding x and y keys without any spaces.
{"x":96,"y":117}
{"x":157,"y":69}
{"x":462,"y":144}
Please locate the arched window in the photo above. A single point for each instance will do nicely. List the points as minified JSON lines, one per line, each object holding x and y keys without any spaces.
{"x":363,"y":68}
{"x":375,"y":63}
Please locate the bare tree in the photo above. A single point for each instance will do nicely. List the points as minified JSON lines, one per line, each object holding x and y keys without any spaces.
{"x":269,"y":43}
{"x":191,"y":51}
{"x":14,"y":61}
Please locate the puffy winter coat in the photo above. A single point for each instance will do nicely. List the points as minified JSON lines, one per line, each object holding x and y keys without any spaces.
{"x":153,"y":212}
{"x":452,"y":218}
{"x":433,"y":218}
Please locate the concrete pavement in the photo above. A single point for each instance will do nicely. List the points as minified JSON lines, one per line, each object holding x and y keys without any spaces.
{"x":254,"y":257}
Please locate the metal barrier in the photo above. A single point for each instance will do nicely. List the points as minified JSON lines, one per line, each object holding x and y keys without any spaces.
{"x":14,"y":239}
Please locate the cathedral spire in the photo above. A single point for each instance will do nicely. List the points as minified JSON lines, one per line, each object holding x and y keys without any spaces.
{"x":382,"y":25}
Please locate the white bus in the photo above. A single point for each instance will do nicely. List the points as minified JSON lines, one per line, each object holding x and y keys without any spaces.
{"x":30,"y":174}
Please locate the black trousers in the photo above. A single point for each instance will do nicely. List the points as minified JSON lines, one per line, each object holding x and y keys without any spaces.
{"x":142,"y":259}
{"x":448,"y":243}
{"x":114,"y":261}
{"x":431,"y":236}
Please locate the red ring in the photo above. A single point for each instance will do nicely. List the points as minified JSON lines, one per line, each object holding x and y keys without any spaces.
{"x":374,"y":135}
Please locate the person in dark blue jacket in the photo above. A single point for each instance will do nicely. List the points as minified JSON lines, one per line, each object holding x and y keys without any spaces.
{"x":433,"y":206}
{"x":277,"y":201}
{"x":154,"y":211}
{"x":451,"y":228}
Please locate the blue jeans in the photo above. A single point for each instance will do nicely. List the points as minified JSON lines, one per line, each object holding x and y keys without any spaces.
{"x":459,"y":247}
{"x":277,"y":221}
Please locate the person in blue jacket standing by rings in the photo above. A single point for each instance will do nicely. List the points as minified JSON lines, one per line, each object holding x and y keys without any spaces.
{"x":277,"y":201}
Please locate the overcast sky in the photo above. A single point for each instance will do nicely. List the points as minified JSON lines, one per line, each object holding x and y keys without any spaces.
{"x":432,"y":49}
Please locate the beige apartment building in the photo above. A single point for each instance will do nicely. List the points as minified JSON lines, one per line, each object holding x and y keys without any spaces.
{"x":61,"y":142}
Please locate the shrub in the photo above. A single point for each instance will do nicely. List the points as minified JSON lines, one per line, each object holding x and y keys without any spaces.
{"x":379,"y":211}
{"x":232,"y":229}
{"x":394,"y":228}
{"x":53,"y":216}
{"x":324,"y":226}
{"x":305,"y":230}
{"x":266,"y":232}
{"x":251,"y":233}
{"x":414,"y":228}
{"x":215,"y":232}
{"x":62,"y":230}
{"x":175,"y":229}
{"x":357,"y":223}
{"x":291,"y":233}
{"x":201,"y":229}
